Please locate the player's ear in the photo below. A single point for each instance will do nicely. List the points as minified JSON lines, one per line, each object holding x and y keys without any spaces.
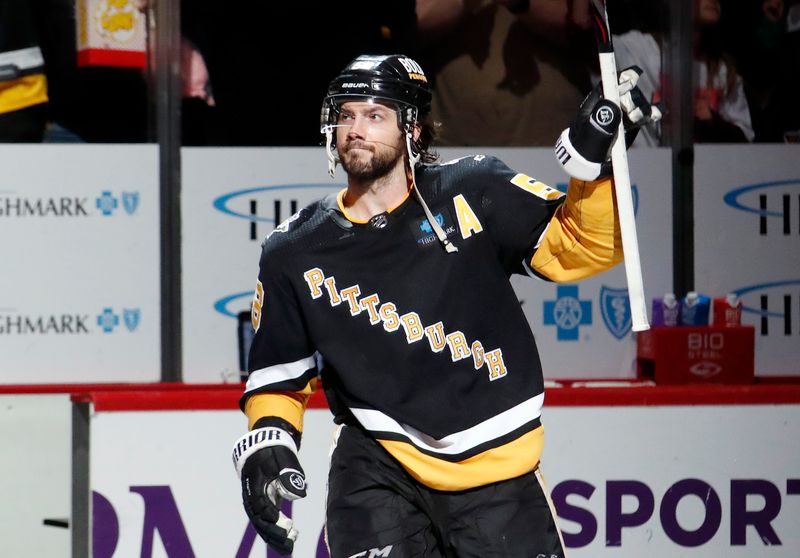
{"x":417,"y":131}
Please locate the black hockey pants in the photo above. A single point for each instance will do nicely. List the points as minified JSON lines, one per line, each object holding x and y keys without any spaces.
{"x":376,"y":509}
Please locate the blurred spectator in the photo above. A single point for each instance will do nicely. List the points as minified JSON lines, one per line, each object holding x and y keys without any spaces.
{"x":720,"y":106}
{"x":765,"y":37}
{"x":782,"y":116}
{"x":721,"y":110}
{"x":241,"y":62}
{"x":269,"y":63}
{"x":96,"y":103}
{"x":23,"y":85}
{"x":199,"y":118}
{"x":506,"y":72}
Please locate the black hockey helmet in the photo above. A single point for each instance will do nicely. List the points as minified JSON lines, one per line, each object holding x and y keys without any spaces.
{"x":393,"y":78}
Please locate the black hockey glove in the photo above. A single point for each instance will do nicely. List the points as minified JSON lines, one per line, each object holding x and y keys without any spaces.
{"x":266,"y":461}
{"x":583,"y":148}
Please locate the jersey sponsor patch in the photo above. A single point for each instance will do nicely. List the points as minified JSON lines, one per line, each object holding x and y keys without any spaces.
{"x":423,"y":230}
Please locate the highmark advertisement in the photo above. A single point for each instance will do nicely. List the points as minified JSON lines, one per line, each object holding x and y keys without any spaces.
{"x":79,"y":264}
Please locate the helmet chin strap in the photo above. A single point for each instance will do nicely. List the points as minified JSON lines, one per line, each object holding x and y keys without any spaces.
{"x":413,"y":159}
{"x":329,"y":151}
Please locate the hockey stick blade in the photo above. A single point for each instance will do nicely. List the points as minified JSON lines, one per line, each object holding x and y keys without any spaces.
{"x":601,"y":29}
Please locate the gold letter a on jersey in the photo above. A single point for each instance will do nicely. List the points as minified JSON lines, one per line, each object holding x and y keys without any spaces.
{"x":467,"y":220}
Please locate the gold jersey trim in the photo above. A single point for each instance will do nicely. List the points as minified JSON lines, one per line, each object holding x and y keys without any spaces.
{"x":583,"y":237}
{"x":504,"y":462}
{"x":288,"y":405}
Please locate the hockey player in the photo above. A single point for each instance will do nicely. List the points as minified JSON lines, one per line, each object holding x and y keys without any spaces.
{"x":396,"y":294}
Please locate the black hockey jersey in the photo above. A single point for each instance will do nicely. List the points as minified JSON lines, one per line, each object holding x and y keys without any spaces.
{"x":428,"y":351}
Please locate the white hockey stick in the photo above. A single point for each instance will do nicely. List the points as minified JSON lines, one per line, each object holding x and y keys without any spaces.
{"x":622,"y":178}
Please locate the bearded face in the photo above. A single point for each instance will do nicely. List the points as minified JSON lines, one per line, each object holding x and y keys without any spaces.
{"x":368,"y":162}
{"x":368,"y":140}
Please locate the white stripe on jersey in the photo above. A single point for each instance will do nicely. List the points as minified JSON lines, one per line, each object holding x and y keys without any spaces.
{"x":458,"y":442}
{"x":279,"y":373}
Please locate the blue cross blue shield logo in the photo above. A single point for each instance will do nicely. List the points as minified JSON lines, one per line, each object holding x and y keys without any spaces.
{"x":567,"y":312}
{"x":130,"y":201}
{"x":131,"y":318}
{"x":426,"y":226}
{"x":616,"y":310}
{"x":106,"y":203}
{"x":108,"y":320}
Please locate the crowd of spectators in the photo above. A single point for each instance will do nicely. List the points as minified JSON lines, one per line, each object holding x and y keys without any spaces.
{"x":504,"y":72}
{"x":746,"y":67}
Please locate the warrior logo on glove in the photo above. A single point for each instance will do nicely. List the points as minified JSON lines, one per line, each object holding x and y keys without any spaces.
{"x":604,"y":115}
{"x":297,"y":480}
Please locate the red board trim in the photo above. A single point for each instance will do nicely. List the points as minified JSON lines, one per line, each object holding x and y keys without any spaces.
{"x":224,"y":397}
